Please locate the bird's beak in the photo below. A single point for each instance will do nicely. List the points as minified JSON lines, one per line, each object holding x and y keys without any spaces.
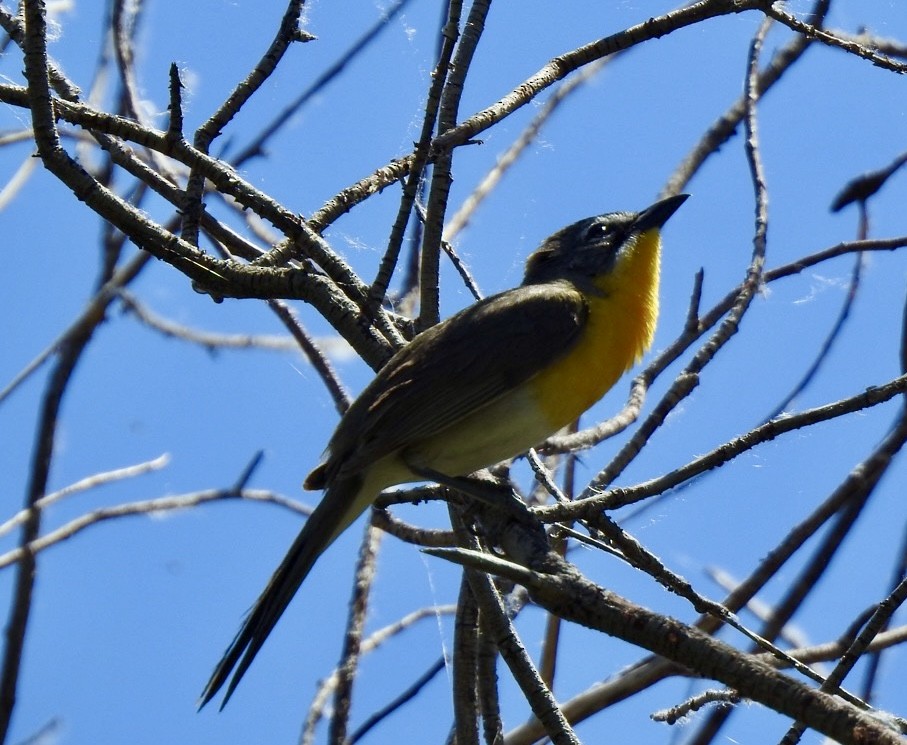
{"x":659,"y":213}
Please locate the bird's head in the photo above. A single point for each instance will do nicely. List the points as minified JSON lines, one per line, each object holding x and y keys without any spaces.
{"x":587,"y":252}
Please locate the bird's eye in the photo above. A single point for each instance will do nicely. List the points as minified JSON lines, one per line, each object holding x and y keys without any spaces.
{"x":598,"y":231}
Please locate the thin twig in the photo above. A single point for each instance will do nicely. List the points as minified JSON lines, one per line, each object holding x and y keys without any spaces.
{"x":540,"y":698}
{"x":726,"y":124}
{"x":419,"y":159}
{"x":313,"y":351}
{"x":448,"y":107}
{"x":849,"y":45}
{"x":369,"y":644}
{"x":846,"y":503}
{"x":392,"y":707}
{"x":875,"y":658}
{"x":464,"y":666}
{"x":90,"y":482}
{"x":348,"y":669}
{"x":287,"y":33}
{"x":256,"y":148}
{"x":727,"y":451}
{"x":563,"y":590}
{"x":486,"y":186}
{"x":145,"y":507}
{"x":590,"y":437}
{"x":699,"y":701}
{"x":856,"y":650}
{"x":828,"y":342}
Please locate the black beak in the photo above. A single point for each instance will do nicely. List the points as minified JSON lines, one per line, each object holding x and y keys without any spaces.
{"x":659,"y":213}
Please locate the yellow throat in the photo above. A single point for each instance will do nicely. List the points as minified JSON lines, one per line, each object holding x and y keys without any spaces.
{"x":619,"y":329}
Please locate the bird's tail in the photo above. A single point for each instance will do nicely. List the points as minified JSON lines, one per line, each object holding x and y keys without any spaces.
{"x":342,"y":503}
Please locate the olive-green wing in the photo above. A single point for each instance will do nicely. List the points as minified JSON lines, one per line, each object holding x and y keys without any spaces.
{"x":456,"y":368}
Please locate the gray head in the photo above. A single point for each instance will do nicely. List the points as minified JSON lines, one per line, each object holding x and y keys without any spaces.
{"x":591,"y":247}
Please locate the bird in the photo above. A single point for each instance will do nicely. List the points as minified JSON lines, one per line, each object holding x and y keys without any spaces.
{"x":480,"y":387}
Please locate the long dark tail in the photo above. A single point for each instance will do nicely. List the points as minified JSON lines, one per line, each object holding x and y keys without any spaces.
{"x":342,"y":504}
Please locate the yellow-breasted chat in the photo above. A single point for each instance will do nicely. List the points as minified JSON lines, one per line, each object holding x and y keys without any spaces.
{"x":482,"y":386}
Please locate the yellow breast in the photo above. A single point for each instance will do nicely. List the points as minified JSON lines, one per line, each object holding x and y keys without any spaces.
{"x":619,"y":329}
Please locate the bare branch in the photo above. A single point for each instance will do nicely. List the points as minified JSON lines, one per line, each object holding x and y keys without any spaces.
{"x":849,"y":45}
{"x":144,"y":507}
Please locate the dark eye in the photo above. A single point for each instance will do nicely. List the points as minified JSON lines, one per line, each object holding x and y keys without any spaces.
{"x":597,"y":232}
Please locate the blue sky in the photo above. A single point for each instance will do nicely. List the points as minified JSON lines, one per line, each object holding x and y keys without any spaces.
{"x":130,"y":616}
